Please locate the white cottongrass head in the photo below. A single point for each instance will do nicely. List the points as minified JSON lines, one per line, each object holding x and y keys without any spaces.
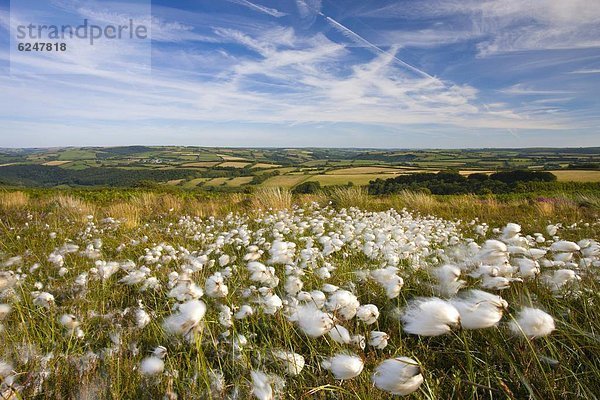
{"x":188,"y":317}
{"x":151,"y":366}
{"x":141,"y":318}
{"x":448,"y":280}
{"x":399,"y":376}
{"x":378,"y":339}
{"x":5,"y":309}
{"x":69,"y":321}
{"x":313,"y":321}
{"x":368,"y":313}
{"x":244,"y":311}
{"x":6,"y":369}
{"x":560,"y":278}
{"x":340,"y":335}
{"x":564,"y":246}
{"x":532,"y":322}
{"x":261,"y":386}
{"x":344,"y":366}
{"x":293,"y":363}
{"x":215,"y":286}
{"x":430,"y":317}
{"x":43,"y":299}
{"x":343,"y":303}
{"x":479,"y":309}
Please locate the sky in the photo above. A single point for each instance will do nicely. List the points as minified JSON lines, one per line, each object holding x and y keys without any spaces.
{"x":309,"y":73}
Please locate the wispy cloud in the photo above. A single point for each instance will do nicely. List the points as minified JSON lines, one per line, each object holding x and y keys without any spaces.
{"x":260,"y":8}
{"x":586,"y":71}
{"x":281,"y":77}
{"x":308,"y":90}
{"x":509,"y":25}
{"x":520,"y":89}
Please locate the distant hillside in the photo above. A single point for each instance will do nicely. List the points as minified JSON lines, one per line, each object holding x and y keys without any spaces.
{"x":47,"y":176}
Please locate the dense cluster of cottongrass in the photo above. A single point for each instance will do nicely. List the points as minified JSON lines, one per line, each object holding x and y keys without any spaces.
{"x":275,"y":297}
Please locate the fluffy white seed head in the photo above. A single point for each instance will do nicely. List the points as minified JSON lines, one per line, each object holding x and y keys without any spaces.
{"x":339,"y":334}
{"x":368,"y":313}
{"x":244,"y":311}
{"x":313,"y":321}
{"x":343,"y":303}
{"x":564,"y":246}
{"x":532,"y":322}
{"x":189,"y":316}
{"x":4,"y":310}
{"x":69,"y":321}
{"x":430,"y":317}
{"x":479,"y":309}
{"x":141,"y":318}
{"x":399,"y":376}
{"x":293,"y":363}
{"x":151,"y":366}
{"x":261,"y":386}
{"x":344,"y":366}
{"x":378,"y":339}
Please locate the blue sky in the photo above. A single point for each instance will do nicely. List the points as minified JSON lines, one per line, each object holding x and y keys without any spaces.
{"x":288,"y":73}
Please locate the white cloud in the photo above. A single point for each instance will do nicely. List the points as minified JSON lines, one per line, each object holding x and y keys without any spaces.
{"x":520,"y":89}
{"x":504,"y":26}
{"x":260,"y":8}
{"x":298,"y":81}
{"x":586,"y":71}
{"x":283,"y":76}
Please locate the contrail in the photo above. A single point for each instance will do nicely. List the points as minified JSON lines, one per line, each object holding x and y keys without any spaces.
{"x":265,"y":10}
{"x":512,"y":132}
{"x":348,"y":32}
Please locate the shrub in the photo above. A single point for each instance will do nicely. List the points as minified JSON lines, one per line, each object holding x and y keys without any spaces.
{"x":307,"y":188}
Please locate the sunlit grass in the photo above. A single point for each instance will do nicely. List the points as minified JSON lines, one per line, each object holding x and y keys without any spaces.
{"x":478,"y":364}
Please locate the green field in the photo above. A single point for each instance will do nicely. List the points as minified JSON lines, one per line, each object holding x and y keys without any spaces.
{"x":227,"y":168}
{"x":577,"y":176}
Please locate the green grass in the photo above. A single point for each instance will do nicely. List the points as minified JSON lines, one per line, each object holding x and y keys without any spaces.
{"x":577,"y":176}
{"x":285,"y":181}
{"x":194,"y":183}
{"x":480,"y":364}
{"x":77,"y":154}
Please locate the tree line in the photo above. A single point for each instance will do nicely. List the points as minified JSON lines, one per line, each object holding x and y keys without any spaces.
{"x":452,"y":182}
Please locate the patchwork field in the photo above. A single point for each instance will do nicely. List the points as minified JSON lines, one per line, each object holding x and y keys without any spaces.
{"x":578,"y":176}
{"x":198,"y":168}
{"x":56,"y":162}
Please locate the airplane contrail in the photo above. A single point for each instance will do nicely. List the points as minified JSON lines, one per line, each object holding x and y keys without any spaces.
{"x":265,"y":10}
{"x":348,"y":32}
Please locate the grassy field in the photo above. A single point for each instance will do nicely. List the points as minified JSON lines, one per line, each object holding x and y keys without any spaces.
{"x":265,"y":165}
{"x":234,"y":164}
{"x":364,"y":170}
{"x":577,"y":176}
{"x":339,"y":179}
{"x":357,"y":166}
{"x":216,"y":182}
{"x":56,"y":163}
{"x":239,"y":181}
{"x":200,"y":164}
{"x":286,"y":181}
{"x":194,"y":182}
{"x":81,"y":321}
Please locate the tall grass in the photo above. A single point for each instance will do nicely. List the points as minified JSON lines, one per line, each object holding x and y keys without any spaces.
{"x":16,"y":199}
{"x":127,"y":212}
{"x":464,"y":365}
{"x":346,"y":197}
{"x":272,"y":198}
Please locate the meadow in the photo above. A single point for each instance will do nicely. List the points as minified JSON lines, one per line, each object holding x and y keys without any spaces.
{"x":220,"y":169}
{"x":146,"y":294}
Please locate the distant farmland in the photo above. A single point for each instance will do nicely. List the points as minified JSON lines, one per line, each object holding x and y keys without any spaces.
{"x":236,"y":169}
